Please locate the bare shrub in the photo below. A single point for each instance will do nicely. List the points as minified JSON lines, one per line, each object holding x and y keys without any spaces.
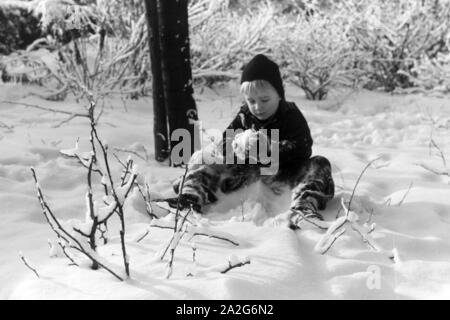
{"x":318,"y":52}
{"x":433,"y":74}
{"x":222,"y":41}
{"x":395,"y":34}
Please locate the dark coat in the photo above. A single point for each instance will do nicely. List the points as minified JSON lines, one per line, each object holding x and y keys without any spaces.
{"x":294,"y":134}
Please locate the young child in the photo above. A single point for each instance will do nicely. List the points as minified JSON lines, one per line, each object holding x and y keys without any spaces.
{"x":266,"y":108}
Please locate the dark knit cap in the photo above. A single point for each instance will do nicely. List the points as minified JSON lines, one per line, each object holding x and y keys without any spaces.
{"x":262,"y":68}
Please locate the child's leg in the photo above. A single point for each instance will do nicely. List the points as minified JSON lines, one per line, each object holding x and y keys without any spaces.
{"x":203,"y":181}
{"x":277,"y":183}
{"x":238,"y":175}
{"x":314,"y":185}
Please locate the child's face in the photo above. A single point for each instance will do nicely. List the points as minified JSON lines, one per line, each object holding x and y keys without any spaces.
{"x":263,"y":103}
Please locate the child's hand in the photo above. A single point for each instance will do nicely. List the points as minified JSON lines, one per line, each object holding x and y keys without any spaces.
{"x":245,"y":144}
{"x":241,"y":143}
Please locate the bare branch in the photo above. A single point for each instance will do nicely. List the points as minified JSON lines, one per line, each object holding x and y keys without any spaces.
{"x":64,"y":250}
{"x":194,"y":234}
{"x":330,"y":243}
{"x":71,"y":114}
{"x":444,"y":162}
{"x":436,"y":172}
{"x":406,"y":193}
{"x":132,"y":152}
{"x":62,"y":233}
{"x":28,"y":265}
{"x":147,"y":232}
{"x":357,"y":181}
{"x":323,"y":225}
{"x":365,"y":237}
{"x":232,"y":266}
{"x":147,"y":200}
{"x":214,"y":237}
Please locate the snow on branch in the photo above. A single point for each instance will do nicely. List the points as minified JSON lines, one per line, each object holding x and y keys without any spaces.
{"x":337,"y":228}
{"x":182,"y":226}
{"x":82,"y":236}
{"x":68,"y":237}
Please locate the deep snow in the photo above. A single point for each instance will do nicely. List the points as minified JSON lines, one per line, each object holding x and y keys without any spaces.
{"x":349,"y":129}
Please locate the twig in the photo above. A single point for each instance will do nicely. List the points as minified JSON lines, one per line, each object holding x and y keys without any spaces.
{"x":215,"y":237}
{"x":62,"y":233}
{"x":199,"y":234}
{"x":27,"y":264}
{"x":64,"y":121}
{"x":83,"y":161}
{"x":132,"y":152}
{"x":334,"y":232}
{"x":103,"y":232}
{"x":147,"y":200}
{"x":440,"y":152}
{"x":439,"y":173}
{"x":120,"y":161}
{"x":71,"y":115}
{"x":333,"y":240}
{"x":357,"y":181}
{"x":237,"y":265}
{"x":406,"y":193}
{"x":323,"y":227}
{"x":119,"y":205}
{"x":126,"y":171}
{"x":179,"y":198}
{"x":432,"y":143}
{"x":175,"y":235}
{"x":63,"y":247}
{"x":194,"y":251}
{"x":364,"y":238}
{"x":147,"y":232}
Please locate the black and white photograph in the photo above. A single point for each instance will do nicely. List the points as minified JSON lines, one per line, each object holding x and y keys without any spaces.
{"x":224,"y":150}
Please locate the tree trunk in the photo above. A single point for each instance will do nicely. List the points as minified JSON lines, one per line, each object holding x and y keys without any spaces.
{"x":160,"y":131}
{"x":176,"y":73}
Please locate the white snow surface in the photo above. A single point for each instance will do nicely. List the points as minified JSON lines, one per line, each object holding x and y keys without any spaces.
{"x":409,"y":205}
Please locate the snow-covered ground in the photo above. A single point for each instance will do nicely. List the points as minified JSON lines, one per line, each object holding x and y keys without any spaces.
{"x":409,"y":205}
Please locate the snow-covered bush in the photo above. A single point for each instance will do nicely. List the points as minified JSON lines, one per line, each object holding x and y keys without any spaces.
{"x":222,"y":40}
{"x":121,"y":15}
{"x":317,"y":52}
{"x":99,"y":65}
{"x":84,"y":58}
{"x":318,"y":44}
{"x":81,"y":236}
{"x":433,"y":73}
{"x":69,"y":19}
{"x":395,"y":34}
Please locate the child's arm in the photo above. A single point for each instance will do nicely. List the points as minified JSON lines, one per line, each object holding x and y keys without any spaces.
{"x":236,"y":124}
{"x":296,"y":142}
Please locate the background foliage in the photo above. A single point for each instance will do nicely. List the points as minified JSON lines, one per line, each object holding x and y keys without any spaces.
{"x":389,"y":45}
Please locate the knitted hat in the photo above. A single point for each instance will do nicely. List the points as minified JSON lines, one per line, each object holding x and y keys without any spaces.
{"x":262,"y":68}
